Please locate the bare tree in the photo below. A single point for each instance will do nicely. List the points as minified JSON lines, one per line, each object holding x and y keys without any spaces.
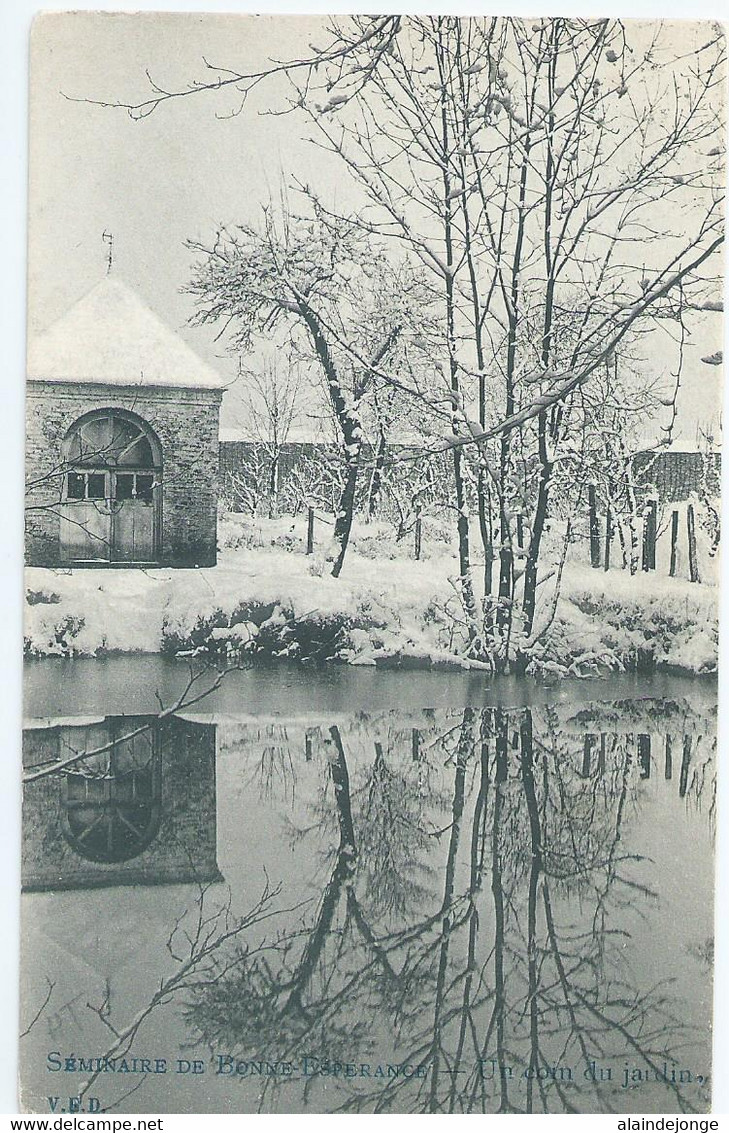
{"x":271,"y":401}
{"x":320,"y":282}
{"x":535,"y":171}
{"x":559,"y":184}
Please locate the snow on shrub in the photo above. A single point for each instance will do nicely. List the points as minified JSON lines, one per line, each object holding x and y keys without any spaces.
{"x":622,"y":622}
{"x":42,"y":598}
{"x":278,"y":632}
{"x":263,"y":602}
{"x":48,"y":638}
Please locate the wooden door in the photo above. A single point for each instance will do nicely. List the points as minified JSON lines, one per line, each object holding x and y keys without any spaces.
{"x":134,"y":517}
{"x":111,"y":506}
{"x":86,"y":519}
{"x":133,"y":537}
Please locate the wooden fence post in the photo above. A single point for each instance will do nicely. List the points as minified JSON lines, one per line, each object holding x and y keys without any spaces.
{"x":608,"y":535}
{"x":685,"y":764}
{"x":418,"y":532}
{"x":590,"y":742}
{"x":650,"y":531}
{"x":310,"y":532}
{"x":674,"y":543}
{"x":594,"y":528}
{"x":693,"y":561}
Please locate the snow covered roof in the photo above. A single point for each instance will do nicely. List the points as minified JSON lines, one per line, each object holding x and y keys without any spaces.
{"x":110,"y":336}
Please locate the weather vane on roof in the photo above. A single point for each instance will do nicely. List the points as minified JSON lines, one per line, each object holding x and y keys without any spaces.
{"x":108,"y":238}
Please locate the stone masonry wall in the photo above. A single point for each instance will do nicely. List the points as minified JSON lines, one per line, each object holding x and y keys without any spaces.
{"x":186,"y":423}
{"x":676,"y":475}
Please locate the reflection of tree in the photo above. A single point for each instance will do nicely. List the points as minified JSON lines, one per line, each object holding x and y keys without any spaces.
{"x":475,"y":912}
{"x":394,"y":802}
{"x":520,"y":961}
{"x":203,"y":944}
{"x":303,"y":988}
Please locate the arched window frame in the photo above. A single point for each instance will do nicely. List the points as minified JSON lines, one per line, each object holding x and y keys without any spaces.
{"x":108,"y":802}
{"x":111,"y":503}
{"x":100,"y":476}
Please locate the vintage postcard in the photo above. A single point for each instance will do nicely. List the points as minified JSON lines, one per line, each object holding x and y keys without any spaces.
{"x":374,"y":383}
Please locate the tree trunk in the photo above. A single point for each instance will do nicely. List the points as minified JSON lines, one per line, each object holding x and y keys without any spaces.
{"x":349,"y":422}
{"x":464,"y":553}
{"x":536,"y":842}
{"x":484,"y":522}
{"x":498,"y":859}
{"x":540,"y":516}
{"x":345,"y":512}
{"x":594,"y":528}
{"x":674,"y":543}
{"x":273,"y":487}
{"x":343,"y":871}
{"x":440,"y":1017}
{"x":685,"y":765}
{"x":608,"y":535}
{"x":310,"y":531}
{"x":650,"y":525}
{"x":633,"y":544}
{"x":376,"y":481}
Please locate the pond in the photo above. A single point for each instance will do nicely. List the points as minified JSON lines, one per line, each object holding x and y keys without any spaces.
{"x":344,"y":891}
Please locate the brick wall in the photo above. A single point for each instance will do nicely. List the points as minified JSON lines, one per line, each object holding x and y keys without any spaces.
{"x":233,"y":454}
{"x":243,"y":460}
{"x":186,"y":423}
{"x":675,"y":475}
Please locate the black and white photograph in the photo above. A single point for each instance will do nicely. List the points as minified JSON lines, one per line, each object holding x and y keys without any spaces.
{"x":372,"y":538}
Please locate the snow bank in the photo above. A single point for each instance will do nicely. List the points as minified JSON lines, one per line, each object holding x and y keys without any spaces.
{"x":87,"y":612}
{"x":673,"y":623}
{"x":390,"y":613}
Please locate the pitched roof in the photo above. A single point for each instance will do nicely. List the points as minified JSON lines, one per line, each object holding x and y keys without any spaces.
{"x":110,"y":336}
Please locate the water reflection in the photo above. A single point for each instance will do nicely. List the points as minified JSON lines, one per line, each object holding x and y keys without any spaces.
{"x":474,"y":911}
{"x":133,"y":802}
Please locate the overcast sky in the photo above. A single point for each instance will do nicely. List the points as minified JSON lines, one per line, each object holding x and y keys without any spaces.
{"x":184,"y":169}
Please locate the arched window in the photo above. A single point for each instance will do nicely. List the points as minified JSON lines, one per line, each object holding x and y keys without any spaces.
{"x":113,"y":800}
{"x":111,"y":489}
{"x":111,"y":441}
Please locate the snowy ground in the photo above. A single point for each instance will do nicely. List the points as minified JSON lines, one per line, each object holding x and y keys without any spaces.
{"x":384,"y":610}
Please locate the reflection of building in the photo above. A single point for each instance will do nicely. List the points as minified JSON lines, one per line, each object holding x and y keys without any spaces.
{"x":139,"y":811}
{"x":122,"y":439}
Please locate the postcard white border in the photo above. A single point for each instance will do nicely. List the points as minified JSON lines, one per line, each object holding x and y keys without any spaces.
{"x":15,"y":21}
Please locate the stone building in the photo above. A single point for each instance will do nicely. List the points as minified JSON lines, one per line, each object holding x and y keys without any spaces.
{"x":122,"y":439}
